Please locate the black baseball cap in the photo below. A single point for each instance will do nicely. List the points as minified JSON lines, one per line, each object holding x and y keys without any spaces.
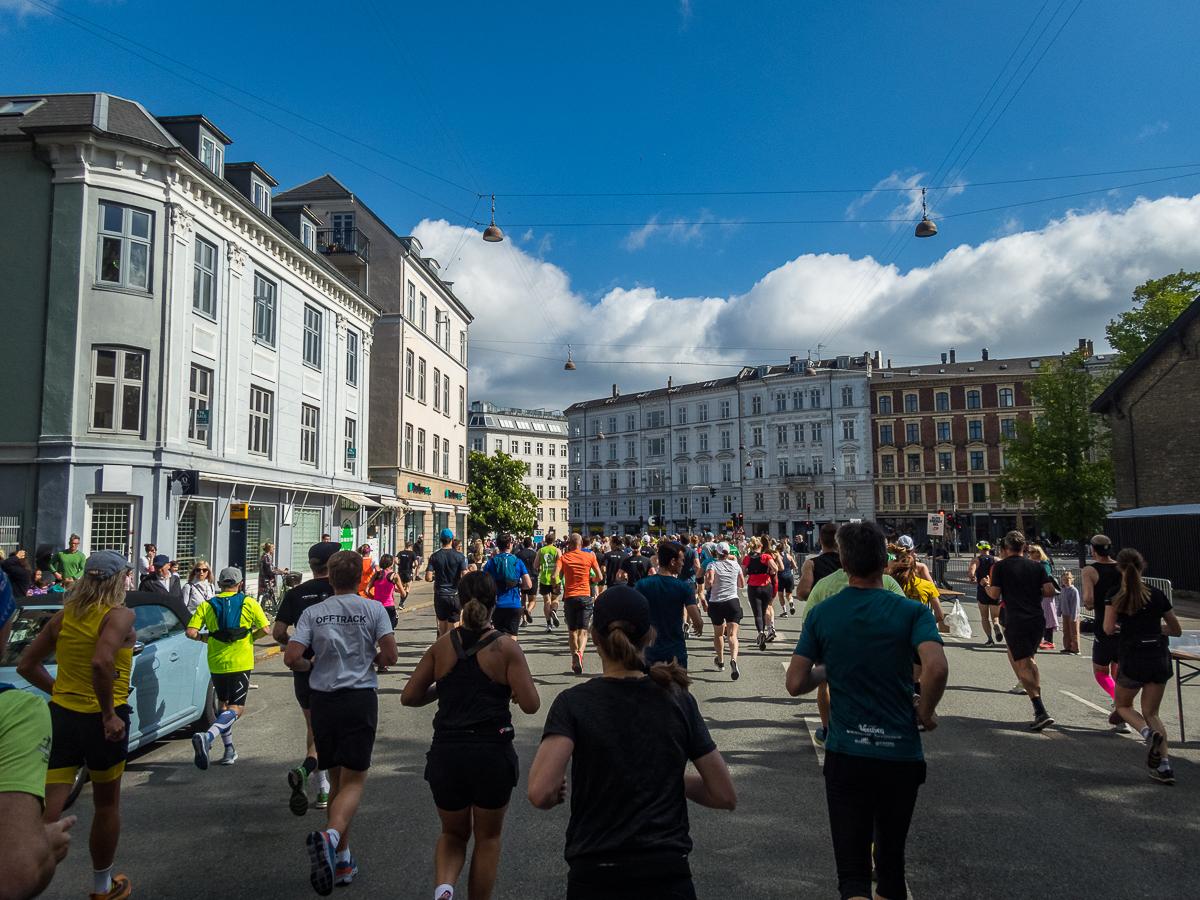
{"x":320,"y":553}
{"x":622,"y":604}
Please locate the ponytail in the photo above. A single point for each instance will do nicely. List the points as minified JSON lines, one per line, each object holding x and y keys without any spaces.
{"x":620,"y":649}
{"x":477,"y":593}
{"x":475,"y":616}
{"x":1133,"y":593}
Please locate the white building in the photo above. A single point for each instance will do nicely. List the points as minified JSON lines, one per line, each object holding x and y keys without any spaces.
{"x":785,"y":447}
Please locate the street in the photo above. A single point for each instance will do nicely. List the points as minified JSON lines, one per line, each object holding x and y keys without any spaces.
{"x":1069,"y":812}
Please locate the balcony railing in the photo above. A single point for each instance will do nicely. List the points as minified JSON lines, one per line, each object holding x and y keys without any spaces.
{"x":340,"y":241}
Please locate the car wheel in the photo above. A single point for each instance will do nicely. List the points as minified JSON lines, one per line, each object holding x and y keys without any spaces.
{"x":209,"y":714}
{"x":81,"y":778}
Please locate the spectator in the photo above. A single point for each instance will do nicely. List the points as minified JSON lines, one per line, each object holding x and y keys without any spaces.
{"x":200,"y":585}
{"x":69,"y":563}
{"x":20,"y":575}
{"x":267,"y":571}
{"x":159,"y":581}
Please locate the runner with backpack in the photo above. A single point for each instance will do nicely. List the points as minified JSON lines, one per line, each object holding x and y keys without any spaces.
{"x":512,"y":578}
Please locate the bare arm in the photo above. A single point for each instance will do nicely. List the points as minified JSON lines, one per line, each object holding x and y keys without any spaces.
{"x":520,"y":679}
{"x":116,"y":631}
{"x":693,"y":614}
{"x":1088,"y":576}
{"x":1171,"y":626}
{"x":279,"y":631}
{"x":934,"y":673}
{"x":388,"y":651}
{"x":421,"y":688}
{"x":293,"y":657}
{"x":804,"y":588}
{"x":1110,"y":620}
{"x":526,"y":583}
{"x":803,"y":676}
{"x":29,"y":850}
{"x":32,"y":665}
{"x":713,"y":787}
{"x":1048,"y":589}
{"x":548,"y":774}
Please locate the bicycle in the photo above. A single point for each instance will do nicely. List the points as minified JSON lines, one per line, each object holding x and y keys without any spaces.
{"x":269,"y":598}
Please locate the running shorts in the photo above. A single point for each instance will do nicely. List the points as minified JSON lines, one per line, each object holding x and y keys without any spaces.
{"x":1024,"y":637}
{"x":725,"y":612}
{"x":231,"y":687}
{"x":475,"y":773}
{"x":787,"y":583}
{"x":447,"y":607}
{"x":508,"y":621}
{"x":79,"y":740}
{"x":578,"y":612}
{"x":301,"y":688}
{"x":548,"y":590}
{"x":649,"y":875}
{"x":1105,"y":648}
{"x":343,"y":724}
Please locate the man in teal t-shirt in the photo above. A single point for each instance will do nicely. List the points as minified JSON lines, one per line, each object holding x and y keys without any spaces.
{"x":863,"y":642}
{"x":69,"y":563}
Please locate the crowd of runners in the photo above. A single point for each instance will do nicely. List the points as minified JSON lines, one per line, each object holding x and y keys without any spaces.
{"x":871,"y":649}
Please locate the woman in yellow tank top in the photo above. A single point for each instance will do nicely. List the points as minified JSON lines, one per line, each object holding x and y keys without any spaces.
{"x":907,"y":572}
{"x":92,"y":639}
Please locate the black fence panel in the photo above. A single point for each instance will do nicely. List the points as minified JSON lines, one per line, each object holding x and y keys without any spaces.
{"x":1170,"y":544}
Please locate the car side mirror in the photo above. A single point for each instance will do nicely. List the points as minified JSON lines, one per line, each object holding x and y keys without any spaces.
{"x":138,"y":647}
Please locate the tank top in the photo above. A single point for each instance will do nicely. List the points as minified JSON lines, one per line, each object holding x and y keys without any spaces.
{"x":787,"y":565}
{"x":983,"y":568}
{"x":76,"y":647}
{"x":825,"y":564}
{"x":472,"y":707}
{"x":384,"y":590}
{"x":1107,"y":578}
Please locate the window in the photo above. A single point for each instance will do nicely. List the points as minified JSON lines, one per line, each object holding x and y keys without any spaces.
{"x":424,"y":322}
{"x":410,"y":303}
{"x":727,"y":503}
{"x":702,"y":412}
{"x":264,"y":310}
{"x":680,"y":416}
{"x":943,"y":431}
{"x":912,"y":432}
{"x":540,"y":449}
{"x":446,"y":396}
{"x":343,"y":223}
{"x":199,"y":398}
{"x":550,"y":448}
{"x":310,"y":421}
{"x":420,"y":379}
{"x":1008,"y":428}
{"x":847,"y":396}
{"x":408,"y":446}
{"x":780,"y":402}
{"x":727,"y":471}
{"x":529,"y":448}
{"x":977,"y":460}
{"x":914,"y":494}
{"x":349,"y":448}
{"x":783,"y":468}
{"x":725,"y":439}
{"x":193,"y":534}
{"x":758,"y":502}
{"x":979,"y":493}
{"x":756,"y":404}
{"x":210,"y":155}
{"x":437,"y":389}
{"x":973,"y":400}
{"x":262,"y":196}
{"x":261,"y":410}
{"x":942,"y":401}
{"x":118,"y":377}
{"x":437,"y":326}
{"x":797,"y":399}
{"x":656,"y":419}
{"x":702,"y":437}
{"x":124,"y":247}
{"x":446,"y":458}
{"x":420,"y":449}
{"x":947,"y":494}
{"x":514,"y":448}
{"x":945,"y":462}
{"x":551,"y":492}
{"x":816,"y":431}
{"x":914,"y":462}
{"x":477,"y":445}
{"x":781,"y":434}
{"x":889,"y":464}
{"x":612,"y":450}
{"x":889,"y":494}
{"x":849,"y":465}
{"x":818,"y":465}
{"x":758,"y":468}
{"x":682,"y":442}
{"x":885,"y":404}
{"x":462,"y":358}
{"x":630,"y":449}
{"x":308,"y":236}
{"x":705,"y":505}
{"x":1006,"y":396}
{"x":631,"y":479}
{"x":351,"y":356}
{"x":408,"y":372}
{"x":724,"y":409}
{"x":657,"y":447}
{"x":814,"y":399}
{"x":312,"y":337}
{"x":818,"y":499}
{"x":595,"y":481}
{"x":910,"y":403}
{"x":204,"y":278}
{"x":683,"y":475}
{"x":885,"y":434}
{"x":975,"y":429}
{"x":576,"y":457}
{"x":847,"y":429}
{"x":630,"y":421}
{"x":704,"y":473}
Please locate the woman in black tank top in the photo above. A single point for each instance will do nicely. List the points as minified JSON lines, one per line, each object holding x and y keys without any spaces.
{"x":472,"y":673}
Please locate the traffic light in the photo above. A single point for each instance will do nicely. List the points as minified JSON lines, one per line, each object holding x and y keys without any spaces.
{"x":712,"y":491}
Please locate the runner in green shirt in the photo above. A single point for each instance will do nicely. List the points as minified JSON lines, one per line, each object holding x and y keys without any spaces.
{"x":549,"y":586}
{"x":69,"y":563}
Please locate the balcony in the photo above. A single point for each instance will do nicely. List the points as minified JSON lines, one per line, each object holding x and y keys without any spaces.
{"x":344,"y":241}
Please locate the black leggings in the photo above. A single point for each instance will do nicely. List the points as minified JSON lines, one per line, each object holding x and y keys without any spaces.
{"x":870,"y":800}
{"x":760,"y":601}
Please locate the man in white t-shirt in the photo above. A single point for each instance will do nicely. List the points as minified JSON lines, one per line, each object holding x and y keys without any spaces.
{"x":343,"y":632}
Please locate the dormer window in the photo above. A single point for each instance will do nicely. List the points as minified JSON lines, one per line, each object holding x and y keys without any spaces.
{"x":19,"y":107}
{"x":210,"y":155}
{"x":308,"y":236}
{"x":262,"y":196}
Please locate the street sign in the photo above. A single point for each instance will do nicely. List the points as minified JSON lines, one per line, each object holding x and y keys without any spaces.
{"x":937,"y":525}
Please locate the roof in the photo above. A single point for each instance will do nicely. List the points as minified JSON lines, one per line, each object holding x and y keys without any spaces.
{"x":253,"y":167}
{"x":1110,"y":394}
{"x":325,"y":187}
{"x":970,"y":367}
{"x":1182,"y":509}
{"x":64,"y":112}
{"x":203,"y":120}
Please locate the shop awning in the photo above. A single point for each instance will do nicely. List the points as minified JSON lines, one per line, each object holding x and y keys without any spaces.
{"x":261,"y":482}
{"x":360,"y":499}
{"x":393,"y":503}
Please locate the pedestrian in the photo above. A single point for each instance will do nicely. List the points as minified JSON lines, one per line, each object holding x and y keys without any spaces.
{"x":446,"y":567}
{"x":406,"y":562}
{"x":69,"y":563}
{"x":1100,"y":579}
{"x":471,"y":766}
{"x":233,"y":623}
{"x":92,"y":639}
{"x":671,"y":599}
{"x":549,"y":581}
{"x":1049,"y":604}
{"x":989,"y":611}
{"x":723,"y":578}
{"x":19,"y":572}
{"x":267,"y":571}
{"x":862,"y":643}
{"x":419,"y":549}
{"x":199,"y":587}
{"x":628,"y":737}
{"x":941,"y":562}
{"x":759,"y":567}
{"x":579,"y":571}
{"x":1143,"y":618}
{"x":1022,"y":583}
{"x":308,"y":593}
{"x":1068,"y":608}
{"x":342,"y":631}
{"x":145,"y":563}
{"x":384,"y":586}
{"x":159,"y":580}
{"x":512,"y":583}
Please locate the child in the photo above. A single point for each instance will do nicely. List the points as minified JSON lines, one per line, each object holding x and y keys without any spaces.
{"x":1068,"y":608}
{"x":61,"y":585}
{"x":39,"y":584}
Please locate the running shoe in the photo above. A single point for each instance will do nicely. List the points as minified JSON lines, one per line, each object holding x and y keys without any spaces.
{"x":734,"y":674}
{"x":819,"y":736}
{"x":1124,"y":728}
{"x":771,"y":633}
{"x":549,"y":630}
{"x":1154,"y":749}
{"x":297,"y":781}
{"x":322,"y":800}
{"x":1114,"y":718}
{"x":1040,"y":721}
{"x":528,"y":617}
{"x":762,"y":641}
{"x":577,"y":663}
{"x":554,"y":618}
{"x":382,"y":670}
{"x":1017,"y":688}
{"x":989,"y":643}
{"x":444,"y":895}
{"x":201,"y":743}
{"x":121,"y":888}
{"x":230,"y":756}
{"x":1162,"y":776}
{"x":1045,"y":645}
{"x":784,"y":613}
{"x":321,"y":860}
{"x":344,"y":872}
{"x":720,"y":663}
{"x":792,"y":607}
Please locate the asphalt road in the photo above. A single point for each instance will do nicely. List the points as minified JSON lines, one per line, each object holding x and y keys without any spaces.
{"x":1070,"y":812}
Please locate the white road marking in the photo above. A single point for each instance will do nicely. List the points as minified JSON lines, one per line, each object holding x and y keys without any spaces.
{"x":1098,"y":709}
{"x":813,"y":724}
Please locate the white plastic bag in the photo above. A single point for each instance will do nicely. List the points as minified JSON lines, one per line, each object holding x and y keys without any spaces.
{"x":960,"y":626}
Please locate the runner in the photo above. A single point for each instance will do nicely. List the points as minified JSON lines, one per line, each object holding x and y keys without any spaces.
{"x":759,"y":567}
{"x":446,"y":567}
{"x":787,"y":579}
{"x":905,"y":542}
{"x":549,"y":582}
{"x":611,"y":560}
{"x":1022,"y":583}
{"x":528,"y":556}
{"x":578,"y":569}
{"x":296,"y":601}
{"x":471,"y":766}
{"x":671,"y":599}
{"x":406,"y":561}
{"x":368,"y":569}
{"x":233,"y":623}
{"x":92,"y":640}
{"x":1143,"y":619}
{"x":628,"y":738}
{"x":1100,"y":579}
{"x":385,"y":586}
{"x":866,"y":640}
{"x":723,"y":578}
{"x":904,"y":570}
{"x":512,"y":582}
{"x":826,"y":563}
{"x":989,"y":612}
{"x":634,"y":567}
{"x":342,"y":632}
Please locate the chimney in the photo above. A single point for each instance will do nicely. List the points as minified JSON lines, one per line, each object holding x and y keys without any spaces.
{"x":889,"y":365}
{"x":1083,"y":343}
{"x":616,"y":393}
{"x":670,"y":382}
{"x":985,"y":354}
{"x":795,"y":359}
{"x":878,"y":360}
{"x":943,"y":359}
{"x":952,"y":355}
{"x":1089,"y":349}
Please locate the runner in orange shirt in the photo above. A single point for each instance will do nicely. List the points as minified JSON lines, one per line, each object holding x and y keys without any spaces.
{"x":369,"y":569}
{"x":579,"y":569}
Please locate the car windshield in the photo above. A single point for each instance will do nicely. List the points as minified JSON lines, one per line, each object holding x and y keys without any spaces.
{"x":27,"y":625}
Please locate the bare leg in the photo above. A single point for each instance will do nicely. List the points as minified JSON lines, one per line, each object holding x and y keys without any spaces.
{"x":1028,"y":674}
{"x":719,"y":641}
{"x":732,"y":628}
{"x":985,"y":620}
{"x":106,"y":826}
{"x":450,"y":853}
{"x":823,"y":704}
{"x":1152,"y":695}
{"x":485,"y":858}
{"x":345,"y":793}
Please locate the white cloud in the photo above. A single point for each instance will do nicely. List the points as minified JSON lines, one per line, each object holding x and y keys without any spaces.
{"x":906,"y":187}
{"x":1156,"y":128}
{"x":679,"y":231}
{"x":1032,"y":292}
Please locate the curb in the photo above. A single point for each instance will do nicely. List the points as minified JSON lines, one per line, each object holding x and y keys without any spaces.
{"x":260,"y":655}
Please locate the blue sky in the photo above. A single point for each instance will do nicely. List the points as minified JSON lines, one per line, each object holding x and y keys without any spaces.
{"x":703,"y":98}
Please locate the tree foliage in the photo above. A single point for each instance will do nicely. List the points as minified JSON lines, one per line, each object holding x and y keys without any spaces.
{"x":497,"y":494}
{"x":1059,"y":459}
{"x":1157,"y":304}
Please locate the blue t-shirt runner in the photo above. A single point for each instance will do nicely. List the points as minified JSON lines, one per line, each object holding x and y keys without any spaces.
{"x":506,"y":566}
{"x":870,"y":671}
{"x":668,"y":597}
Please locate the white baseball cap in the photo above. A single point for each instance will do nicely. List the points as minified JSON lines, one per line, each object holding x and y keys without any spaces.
{"x":905,"y":541}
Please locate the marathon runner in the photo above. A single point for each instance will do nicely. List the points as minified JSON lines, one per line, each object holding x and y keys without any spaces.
{"x":671,"y":600}
{"x":296,"y":601}
{"x":528,"y":556}
{"x":723,"y":578}
{"x":579,"y":570}
{"x":989,"y":612}
{"x":549,"y":582}
{"x":92,"y":640}
{"x":512,"y":581}
{"x":406,"y":561}
{"x":1100,"y":579}
{"x":787,"y":580}
{"x":759,"y":567}
{"x":635,"y":566}
{"x":446,"y":567}
{"x":812,"y":573}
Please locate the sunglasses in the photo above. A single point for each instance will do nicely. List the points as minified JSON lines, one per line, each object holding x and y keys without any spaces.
{"x":202,"y":569}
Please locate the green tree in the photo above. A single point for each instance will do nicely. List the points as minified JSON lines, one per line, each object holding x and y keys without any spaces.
{"x":497,"y":494}
{"x":1157,"y":304}
{"x":1059,"y":460}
